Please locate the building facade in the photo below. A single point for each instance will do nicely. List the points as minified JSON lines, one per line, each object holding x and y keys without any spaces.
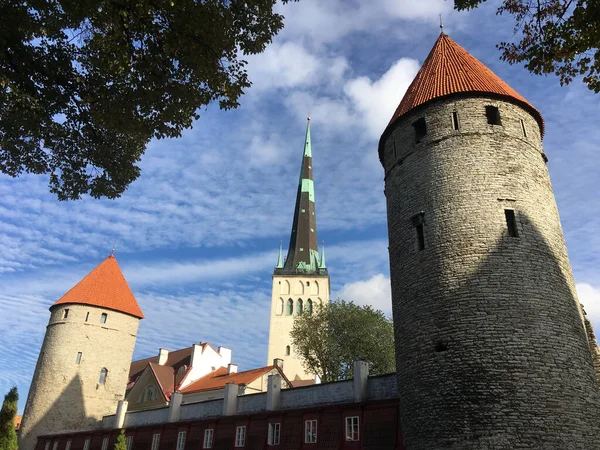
{"x":491,"y":347}
{"x":301,"y":282}
{"x":83,"y":366}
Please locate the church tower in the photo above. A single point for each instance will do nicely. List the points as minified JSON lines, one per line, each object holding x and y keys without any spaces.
{"x":83,"y":366}
{"x":301,"y":283}
{"x":491,"y":347}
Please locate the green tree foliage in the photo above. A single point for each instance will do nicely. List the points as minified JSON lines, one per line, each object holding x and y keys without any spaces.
{"x":330,"y":339}
{"x":85,"y":84}
{"x":8,"y":435}
{"x":121,"y":443}
{"x":557,"y":36}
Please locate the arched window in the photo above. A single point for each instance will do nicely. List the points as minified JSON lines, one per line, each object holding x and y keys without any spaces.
{"x":299,"y":306}
{"x":279,"y":307}
{"x":287,"y":350}
{"x":309,"y":306}
{"x":290,"y":307}
{"x":150,"y":394}
{"x":103,"y":374}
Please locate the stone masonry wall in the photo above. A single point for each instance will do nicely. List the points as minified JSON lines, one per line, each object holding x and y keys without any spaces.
{"x":65,"y":395}
{"x":491,"y":348}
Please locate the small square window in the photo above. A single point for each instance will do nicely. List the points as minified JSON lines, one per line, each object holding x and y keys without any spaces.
{"x":155,"y":441}
{"x":310,"y":432}
{"x":181,"y":440}
{"x":240,"y":436}
{"x":352,"y":429}
{"x":420,"y":128}
{"x":274,"y":434}
{"x":65,"y":313}
{"x":493,"y":115}
{"x":208,"y":438}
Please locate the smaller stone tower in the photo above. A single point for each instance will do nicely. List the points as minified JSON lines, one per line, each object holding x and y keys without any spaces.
{"x":82,"y":369}
{"x":301,"y":283}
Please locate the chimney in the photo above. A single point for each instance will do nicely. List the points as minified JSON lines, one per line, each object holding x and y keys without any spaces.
{"x":175,"y":407}
{"x":231,"y":368}
{"x":273,"y":392}
{"x":230,"y":399}
{"x":361,"y":380}
{"x":121,"y":413}
{"x":163,"y":355}
{"x":278,"y":362}
{"x":196,"y":355}
{"x":225,"y":355}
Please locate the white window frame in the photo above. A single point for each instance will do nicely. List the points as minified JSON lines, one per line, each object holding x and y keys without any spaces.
{"x":105,"y":443}
{"x":55,"y":445}
{"x":352,"y":422}
{"x":155,"y":441}
{"x":240,"y":436}
{"x":181,"y":440}
{"x":310,"y":431}
{"x":129,"y":442}
{"x":68,"y":446}
{"x":47,"y":446}
{"x":274,"y":436}
{"x":208,"y":438}
{"x":86,"y":444}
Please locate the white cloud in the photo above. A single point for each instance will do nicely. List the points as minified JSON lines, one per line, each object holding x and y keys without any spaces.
{"x":589,"y":296}
{"x":375,"y":291}
{"x":377,"y":100}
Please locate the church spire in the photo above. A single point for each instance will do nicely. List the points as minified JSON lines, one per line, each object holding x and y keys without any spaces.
{"x":303,"y":251}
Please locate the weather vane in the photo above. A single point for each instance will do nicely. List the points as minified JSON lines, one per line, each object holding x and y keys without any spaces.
{"x":112,"y":252}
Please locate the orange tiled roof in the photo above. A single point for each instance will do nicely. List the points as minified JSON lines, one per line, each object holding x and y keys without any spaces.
{"x":105,"y":286}
{"x":219,"y":378}
{"x":450,"y":69}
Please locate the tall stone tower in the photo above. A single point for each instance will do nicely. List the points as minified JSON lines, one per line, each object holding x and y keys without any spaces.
{"x":491,"y":347}
{"x":82,"y":369}
{"x":301,"y":284}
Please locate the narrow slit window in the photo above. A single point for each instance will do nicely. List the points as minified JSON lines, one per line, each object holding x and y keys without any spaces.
{"x":420,"y":128}
{"x":493,"y":115}
{"x":103,"y":317}
{"x":78,"y":359}
{"x":129,"y":442}
{"x":105,"y":443}
{"x":65,"y":313}
{"x":395,"y":151}
{"x":511,"y":222}
{"x":181,"y":440}
{"x":208,"y":438}
{"x":455,"y":120}
{"x":68,"y":446}
{"x":155,"y":441}
{"x":287,"y":350}
{"x":523,"y":128}
{"x":418,"y":223}
{"x":87,"y":316}
{"x":103,"y":374}
{"x":86,"y":444}
{"x":290,"y":307}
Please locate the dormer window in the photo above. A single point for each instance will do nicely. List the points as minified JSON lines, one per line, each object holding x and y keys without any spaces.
{"x":420,"y":129}
{"x":493,"y":115}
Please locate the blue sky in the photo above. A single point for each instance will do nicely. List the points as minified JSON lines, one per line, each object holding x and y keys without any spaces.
{"x":198,"y":233}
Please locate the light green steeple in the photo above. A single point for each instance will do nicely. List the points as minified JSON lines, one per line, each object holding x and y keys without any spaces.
{"x":280,"y":259}
{"x":322,"y":264}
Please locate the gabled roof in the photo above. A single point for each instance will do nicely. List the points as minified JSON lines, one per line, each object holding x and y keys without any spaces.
{"x":450,"y":69}
{"x":106,"y":287}
{"x":165,"y":376}
{"x":219,"y":378}
{"x":175,"y":360}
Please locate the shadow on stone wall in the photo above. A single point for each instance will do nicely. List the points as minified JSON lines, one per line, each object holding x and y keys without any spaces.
{"x":500,"y":360}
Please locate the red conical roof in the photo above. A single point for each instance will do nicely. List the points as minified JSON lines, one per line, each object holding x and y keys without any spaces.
{"x":105,"y":286}
{"x":450,"y":69}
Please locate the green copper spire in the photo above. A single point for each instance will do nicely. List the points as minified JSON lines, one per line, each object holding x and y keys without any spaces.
{"x":322,"y":264}
{"x":303,"y":251}
{"x":280,"y":259}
